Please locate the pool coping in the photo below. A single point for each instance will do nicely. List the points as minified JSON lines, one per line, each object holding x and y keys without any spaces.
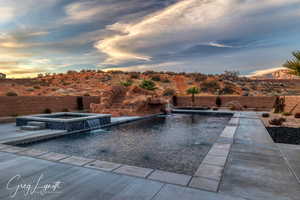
{"x":207,"y":177}
{"x":42,"y":118}
{"x":60,"y":133}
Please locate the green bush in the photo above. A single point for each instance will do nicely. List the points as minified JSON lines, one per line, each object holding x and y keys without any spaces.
{"x":286,"y":114}
{"x":155,"y":78}
{"x":126,"y":83}
{"x":165,"y":80}
{"x":11,"y":94}
{"x":148,"y":85}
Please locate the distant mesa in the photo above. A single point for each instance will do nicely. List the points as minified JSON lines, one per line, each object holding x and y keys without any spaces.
{"x":2,"y":76}
{"x":277,"y":73}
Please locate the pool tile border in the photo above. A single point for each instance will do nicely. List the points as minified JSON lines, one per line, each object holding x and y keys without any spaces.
{"x":52,"y":156}
{"x":103,"y":165}
{"x":210,"y":172}
{"x":75,"y":160}
{"x":134,"y":171}
{"x":207,"y":177}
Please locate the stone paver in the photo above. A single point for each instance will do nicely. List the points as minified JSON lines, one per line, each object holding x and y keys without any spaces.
{"x":54,"y":156}
{"x":103,"y":165}
{"x":13,"y":149}
{"x":134,"y":171}
{"x":221,"y":146}
{"x":174,"y":192}
{"x":209,"y":171}
{"x":74,"y":160}
{"x":204,"y":183}
{"x":168,"y":177}
{"x":32,"y":152}
{"x":228,"y":132}
{"x":217,"y":152}
{"x":234,"y":121}
{"x":215,"y":160}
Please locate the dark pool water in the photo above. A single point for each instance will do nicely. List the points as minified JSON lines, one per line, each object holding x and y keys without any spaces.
{"x":175,"y":143}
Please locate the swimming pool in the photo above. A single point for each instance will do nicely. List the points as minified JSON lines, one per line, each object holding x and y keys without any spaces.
{"x":176,"y":143}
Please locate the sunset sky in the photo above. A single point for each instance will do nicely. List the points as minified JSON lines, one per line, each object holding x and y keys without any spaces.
{"x":208,"y":36}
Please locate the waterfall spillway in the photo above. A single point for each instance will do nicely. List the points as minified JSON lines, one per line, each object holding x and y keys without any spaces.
{"x":94,"y":123}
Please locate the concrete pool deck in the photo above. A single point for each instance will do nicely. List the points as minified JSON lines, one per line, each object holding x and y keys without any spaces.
{"x":256,"y":168}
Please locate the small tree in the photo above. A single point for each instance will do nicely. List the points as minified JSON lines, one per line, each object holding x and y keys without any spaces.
{"x":193,"y":90}
{"x":294,"y":64}
{"x":218,"y":101}
{"x":148,"y":85}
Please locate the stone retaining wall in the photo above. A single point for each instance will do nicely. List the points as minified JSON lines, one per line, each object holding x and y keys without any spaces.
{"x":26,"y":105}
{"x":291,"y":102}
{"x":259,"y":103}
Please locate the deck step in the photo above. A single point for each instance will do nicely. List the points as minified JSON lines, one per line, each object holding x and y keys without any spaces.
{"x":39,"y":124}
{"x":31,"y":128}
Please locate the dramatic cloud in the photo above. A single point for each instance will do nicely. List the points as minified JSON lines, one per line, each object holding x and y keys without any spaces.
{"x":207,"y":36}
{"x":189,"y":23}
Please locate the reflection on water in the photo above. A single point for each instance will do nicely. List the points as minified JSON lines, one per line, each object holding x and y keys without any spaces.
{"x":175,"y":143}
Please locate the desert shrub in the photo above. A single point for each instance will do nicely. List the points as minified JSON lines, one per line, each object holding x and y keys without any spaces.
{"x":155,"y":78}
{"x":66,"y":83}
{"x":126,"y":83}
{"x":149,"y":72}
{"x":210,"y":86}
{"x":165,"y":80}
{"x":297,"y":115}
{"x":134,"y":75}
{"x":265,"y":115}
{"x":228,"y":89}
{"x":218,"y":101}
{"x":11,"y":94}
{"x":286,"y":114}
{"x":115,"y":72}
{"x":105,"y":78}
{"x":86,"y":94}
{"x":148,"y":85}
{"x":200,"y":77}
{"x":36,"y":87}
{"x":47,"y":111}
{"x":169,"y":92}
{"x":65,"y":110}
{"x":277,"y":121}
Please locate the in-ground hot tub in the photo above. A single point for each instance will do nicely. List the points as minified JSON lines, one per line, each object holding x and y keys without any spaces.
{"x":69,"y":121}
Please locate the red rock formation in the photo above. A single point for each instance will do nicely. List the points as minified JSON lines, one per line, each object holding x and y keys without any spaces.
{"x":119,"y":100}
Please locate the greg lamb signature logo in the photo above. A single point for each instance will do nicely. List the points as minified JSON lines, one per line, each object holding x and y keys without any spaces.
{"x":18,"y":185}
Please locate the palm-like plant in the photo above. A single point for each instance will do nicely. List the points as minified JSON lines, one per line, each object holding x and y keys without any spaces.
{"x":294,"y":64}
{"x":193,"y":90}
